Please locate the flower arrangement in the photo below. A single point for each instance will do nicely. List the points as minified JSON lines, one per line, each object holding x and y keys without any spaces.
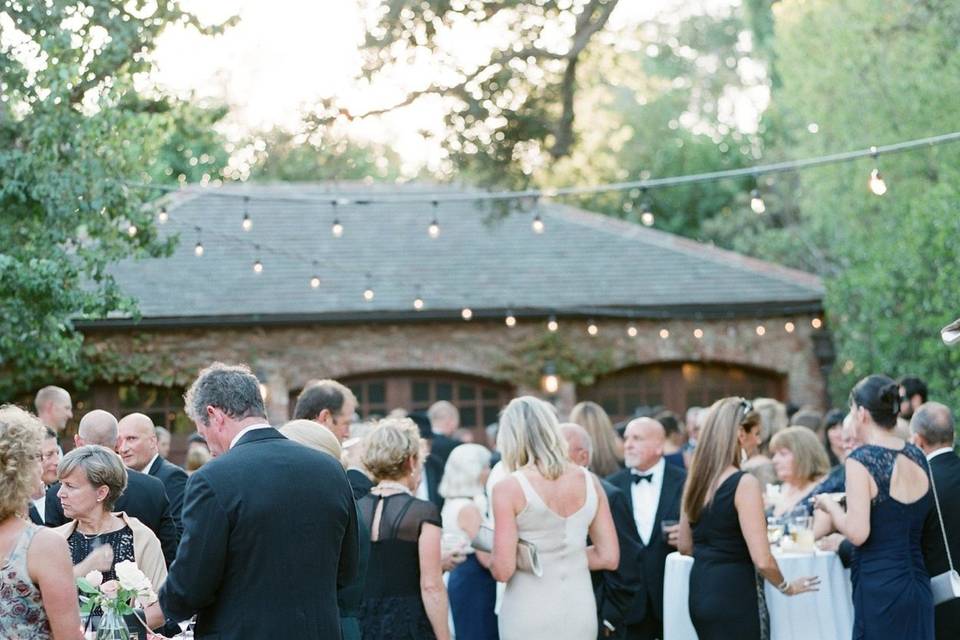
{"x":118,"y":597}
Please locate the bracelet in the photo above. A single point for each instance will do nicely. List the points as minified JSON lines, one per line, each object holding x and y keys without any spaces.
{"x":783,"y":586}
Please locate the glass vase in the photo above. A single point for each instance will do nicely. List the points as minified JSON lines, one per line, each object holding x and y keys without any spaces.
{"x":112,"y":626}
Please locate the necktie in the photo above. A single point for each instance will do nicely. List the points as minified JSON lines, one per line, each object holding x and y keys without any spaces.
{"x":637,"y":477}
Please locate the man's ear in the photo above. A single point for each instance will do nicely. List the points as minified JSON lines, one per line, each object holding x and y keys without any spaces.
{"x":324,"y":416}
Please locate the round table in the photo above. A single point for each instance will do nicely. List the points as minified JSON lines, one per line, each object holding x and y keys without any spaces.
{"x":823,"y":615}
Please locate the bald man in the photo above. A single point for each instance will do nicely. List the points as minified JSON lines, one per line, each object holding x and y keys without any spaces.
{"x":144,"y":498}
{"x":654,"y":489}
{"x":614,"y":590}
{"x":138,"y":446}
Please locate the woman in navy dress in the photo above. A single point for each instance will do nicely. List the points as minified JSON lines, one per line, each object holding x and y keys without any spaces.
{"x":884,"y":519}
{"x":723,"y":525}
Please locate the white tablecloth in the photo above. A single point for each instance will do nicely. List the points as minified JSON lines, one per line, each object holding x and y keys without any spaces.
{"x":824,"y":615}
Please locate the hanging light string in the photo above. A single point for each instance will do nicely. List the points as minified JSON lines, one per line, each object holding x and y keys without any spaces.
{"x":650,"y":183}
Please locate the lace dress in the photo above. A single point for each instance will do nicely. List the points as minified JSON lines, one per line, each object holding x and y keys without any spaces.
{"x":22,"y":616}
{"x":82,"y":545}
{"x":891,"y":587}
{"x":392,"y":608}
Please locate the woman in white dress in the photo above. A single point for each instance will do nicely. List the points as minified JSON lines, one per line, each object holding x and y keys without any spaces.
{"x":553,"y":504}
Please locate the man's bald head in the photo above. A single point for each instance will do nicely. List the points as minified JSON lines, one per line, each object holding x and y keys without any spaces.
{"x":444,"y":417}
{"x":98,"y":427}
{"x":54,"y":407}
{"x":137,"y":443}
{"x":643,"y":441}
{"x":579,"y":443}
{"x":933,"y":426}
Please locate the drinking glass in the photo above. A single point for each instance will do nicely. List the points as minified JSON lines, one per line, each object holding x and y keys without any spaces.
{"x":775,"y":529}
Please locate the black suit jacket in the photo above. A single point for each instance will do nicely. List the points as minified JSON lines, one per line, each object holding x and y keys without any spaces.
{"x":615,"y":590}
{"x":269,"y":533}
{"x":441,"y":446}
{"x":35,"y":515}
{"x":359,"y":482}
{"x":946,"y":475}
{"x":174,"y":481}
{"x":144,"y":499}
{"x":648,"y":601}
{"x":433,"y":468}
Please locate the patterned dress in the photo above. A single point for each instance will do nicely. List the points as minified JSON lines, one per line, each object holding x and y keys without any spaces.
{"x":22,"y":616}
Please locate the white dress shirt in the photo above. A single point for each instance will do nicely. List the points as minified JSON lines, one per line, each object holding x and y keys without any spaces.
{"x":646,"y":499}
{"x":423,"y":489}
{"x":934,"y":454}
{"x":244,"y":432}
{"x":41,"y":505}
{"x":146,"y":469}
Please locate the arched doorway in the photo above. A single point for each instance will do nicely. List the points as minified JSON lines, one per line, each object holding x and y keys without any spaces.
{"x":679,"y":385}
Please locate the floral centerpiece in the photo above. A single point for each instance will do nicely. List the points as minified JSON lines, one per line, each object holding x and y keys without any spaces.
{"x":116,"y":598}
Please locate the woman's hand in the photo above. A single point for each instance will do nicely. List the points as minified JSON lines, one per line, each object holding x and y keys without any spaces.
{"x":100,"y":559}
{"x":831,"y":542}
{"x":803,"y":585}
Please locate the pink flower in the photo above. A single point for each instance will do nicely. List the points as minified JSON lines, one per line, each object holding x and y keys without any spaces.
{"x":95,"y":578}
{"x":110,"y":588}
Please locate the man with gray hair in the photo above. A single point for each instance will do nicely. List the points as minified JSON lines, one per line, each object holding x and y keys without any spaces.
{"x":143,"y":499}
{"x":444,"y":422}
{"x":329,"y":403}
{"x":269,"y":526}
{"x":932,"y":426}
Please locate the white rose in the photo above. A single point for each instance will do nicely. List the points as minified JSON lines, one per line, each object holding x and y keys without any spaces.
{"x":129,"y":575}
{"x":95,"y":578}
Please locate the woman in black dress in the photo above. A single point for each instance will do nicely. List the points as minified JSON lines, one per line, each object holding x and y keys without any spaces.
{"x":723,"y":525}
{"x":404,"y":597}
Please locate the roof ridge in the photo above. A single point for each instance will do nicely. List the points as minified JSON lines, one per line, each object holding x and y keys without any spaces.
{"x":676,"y":242}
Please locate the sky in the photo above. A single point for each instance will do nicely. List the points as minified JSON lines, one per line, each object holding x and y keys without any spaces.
{"x":284,"y":55}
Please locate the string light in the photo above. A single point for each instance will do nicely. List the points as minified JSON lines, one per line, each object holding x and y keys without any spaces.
{"x":537,"y":224}
{"x":552,"y":324}
{"x":368,"y":291}
{"x":132,"y":230}
{"x":698,"y":333}
{"x":664,"y":334}
{"x":757,"y":203}
{"x":510,"y":320}
{"x":247,"y":223}
{"x":876,"y":184}
{"x":257,"y":265}
{"x":816,"y":323}
{"x":418,"y":300}
{"x":336,"y":228}
{"x":789,"y":327}
{"x":550,"y":382}
{"x":434,"y":229}
{"x":315,"y":280}
{"x":646,"y":215}
{"x":163,"y":216}
{"x":198,"y":249}
{"x":592,"y":328}
{"x":632,"y":330}
{"x":466,"y":313}
{"x":761,"y":330}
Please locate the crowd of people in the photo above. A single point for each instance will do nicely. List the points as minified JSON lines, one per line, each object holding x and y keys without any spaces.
{"x":328,"y":526}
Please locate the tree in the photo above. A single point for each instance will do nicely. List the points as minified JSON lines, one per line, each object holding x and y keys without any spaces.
{"x":73,"y":139}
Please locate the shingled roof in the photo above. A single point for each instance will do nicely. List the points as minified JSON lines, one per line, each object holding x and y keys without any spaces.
{"x":583,"y":263}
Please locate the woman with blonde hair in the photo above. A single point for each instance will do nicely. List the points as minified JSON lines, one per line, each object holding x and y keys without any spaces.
{"x":404,"y":597}
{"x":607,"y":446}
{"x":801,"y":463}
{"x":554,"y":504}
{"x":473,"y":591}
{"x":40,"y":600}
{"x":723,"y":526}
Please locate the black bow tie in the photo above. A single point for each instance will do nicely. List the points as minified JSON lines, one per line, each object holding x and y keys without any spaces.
{"x":637,"y":477}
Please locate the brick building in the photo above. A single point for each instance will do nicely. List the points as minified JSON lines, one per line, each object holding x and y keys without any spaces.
{"x":642,"y":317}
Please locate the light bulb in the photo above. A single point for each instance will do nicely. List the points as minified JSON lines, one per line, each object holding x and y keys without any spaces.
{"x":418,"y":303}
{"x":467,"y":313}
{"x":647,"y":218}
{"x":537,"y":224}
{"x":761,"y":330}
{"x":552,"y":324}
{"x":163,"y":216}
{"x":756,"y":202}
{"x":315,"y":282}
{"x":368,"y":294}
{"x":257,"y":267}
{"x":593,"y":329}
{"x":664,"y":334}
{"x":336,"y":229}
{"x":198,"y":250}
{"x":434,"y":229}
{"x":247,"y":223}
{"x":551,"y":383}
{"x":816,"y":323}
{"x":632,"y":331}
{"x":132,"y":230}
{"x":789,"y":327}
{"x":510,"y":320}
{"x":877,"y":185}
{"x":698,"y":333}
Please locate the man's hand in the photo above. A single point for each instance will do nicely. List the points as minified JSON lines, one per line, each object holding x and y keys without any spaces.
{"x":673,"y":532}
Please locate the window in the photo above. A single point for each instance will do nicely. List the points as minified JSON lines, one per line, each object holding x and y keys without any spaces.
{"x":163,"y":405}
{"x":677,"y":386}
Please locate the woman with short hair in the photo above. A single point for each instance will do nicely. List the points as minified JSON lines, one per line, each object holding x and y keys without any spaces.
{"x":722,"y":524}
{"x":554,"y":504}
{"x":801,"y":463}
{"x":472,"y":590}
{"x":40,"y":600}
{"x":404,"y":597}
{"x":91,"y":479}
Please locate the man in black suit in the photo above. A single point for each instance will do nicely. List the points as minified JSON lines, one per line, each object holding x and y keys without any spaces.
{"x":932,"y":426}
{"x":433,"y":465}
{"x":269,"y":526}
{"x":444,"y":422}
{"x":329,"y":403}
{"x":144,"y":498}
{"x":137,"y":444}
{"x":654,"y":490}
{"x":614,"y":590}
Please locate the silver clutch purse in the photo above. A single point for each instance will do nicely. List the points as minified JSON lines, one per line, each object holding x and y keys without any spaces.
{"x":527,"y":558}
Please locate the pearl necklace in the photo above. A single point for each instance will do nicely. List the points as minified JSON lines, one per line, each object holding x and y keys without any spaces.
{"x":390,"y":484}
